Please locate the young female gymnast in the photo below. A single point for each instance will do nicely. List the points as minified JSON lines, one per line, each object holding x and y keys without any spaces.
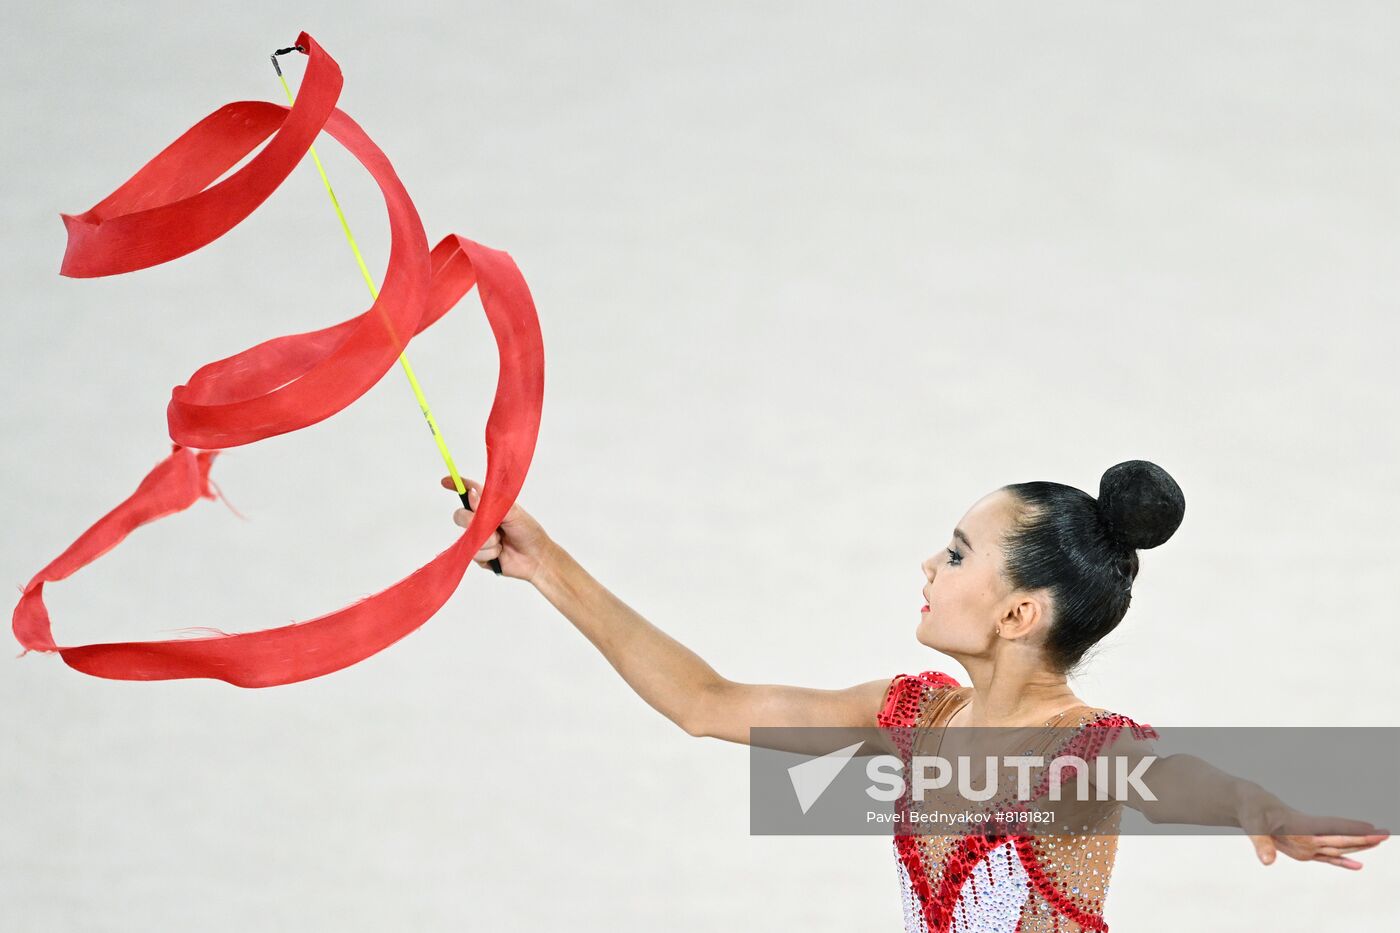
{"x":1034,"y":575}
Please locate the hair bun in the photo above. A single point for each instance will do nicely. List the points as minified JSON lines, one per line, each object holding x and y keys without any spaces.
{"x":1140,"y":504}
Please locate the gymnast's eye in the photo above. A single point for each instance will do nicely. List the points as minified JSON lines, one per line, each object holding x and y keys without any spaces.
{"x":954,"y":557}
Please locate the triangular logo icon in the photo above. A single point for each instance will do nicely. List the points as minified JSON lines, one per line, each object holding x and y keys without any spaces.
{"x":811,"y":778}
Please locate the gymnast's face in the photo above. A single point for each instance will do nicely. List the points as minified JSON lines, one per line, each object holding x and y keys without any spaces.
{"x":967,"y":596}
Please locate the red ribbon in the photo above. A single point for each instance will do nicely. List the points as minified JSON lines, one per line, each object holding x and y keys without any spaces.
{"x":170,"y":208}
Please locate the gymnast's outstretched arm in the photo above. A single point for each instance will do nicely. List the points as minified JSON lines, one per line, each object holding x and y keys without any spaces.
{"x":671,"y":678}
{"x":676,"y":681}
{"x":1188,"y":789}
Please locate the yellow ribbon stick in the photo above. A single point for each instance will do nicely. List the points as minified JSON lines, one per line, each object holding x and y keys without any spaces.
{"x":374,"y":293}
{"x":460,"y":486}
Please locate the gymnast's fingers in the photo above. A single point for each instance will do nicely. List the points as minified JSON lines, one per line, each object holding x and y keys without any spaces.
{"x":1370,"y":839}
{"x":1349,"y":863}
{"x":1344,"y":849}
{"x":468,"y":483}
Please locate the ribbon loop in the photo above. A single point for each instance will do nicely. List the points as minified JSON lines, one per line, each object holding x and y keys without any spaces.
{"x":172,"y":207}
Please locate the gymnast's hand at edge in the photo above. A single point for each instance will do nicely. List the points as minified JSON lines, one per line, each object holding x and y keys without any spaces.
{"x":520,"y":543}
{"x":1276,"y":827}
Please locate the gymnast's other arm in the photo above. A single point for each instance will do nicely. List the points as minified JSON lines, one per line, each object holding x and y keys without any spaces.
{"x":1190,"y":790}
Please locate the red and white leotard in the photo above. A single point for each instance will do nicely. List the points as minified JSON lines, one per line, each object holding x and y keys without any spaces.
{"x":1030,"y":883}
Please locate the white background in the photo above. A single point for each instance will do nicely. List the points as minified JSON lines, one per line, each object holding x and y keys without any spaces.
{"x":811,"y":279}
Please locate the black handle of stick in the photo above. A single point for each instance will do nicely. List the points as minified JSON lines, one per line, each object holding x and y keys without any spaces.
{"x":495,"y":563}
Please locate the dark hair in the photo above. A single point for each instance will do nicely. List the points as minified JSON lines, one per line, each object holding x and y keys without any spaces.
{"x":1084,"y":550}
